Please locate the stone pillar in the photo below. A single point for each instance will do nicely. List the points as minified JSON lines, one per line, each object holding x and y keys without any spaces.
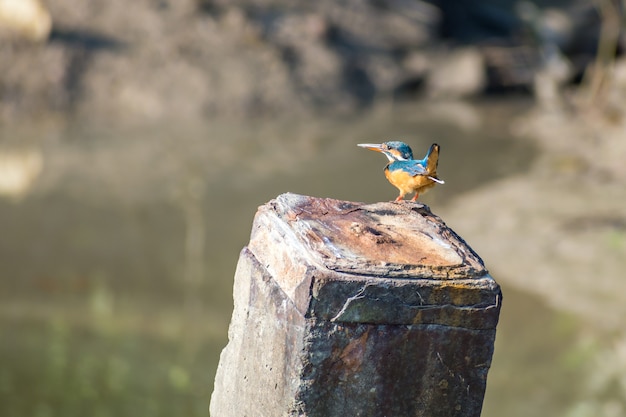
{"x":351,"y":309}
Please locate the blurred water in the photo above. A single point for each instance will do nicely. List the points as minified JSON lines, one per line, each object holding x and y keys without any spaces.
{"x":118,"y":250}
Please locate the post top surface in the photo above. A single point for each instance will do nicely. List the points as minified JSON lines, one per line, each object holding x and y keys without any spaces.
{"x":382,"y":239}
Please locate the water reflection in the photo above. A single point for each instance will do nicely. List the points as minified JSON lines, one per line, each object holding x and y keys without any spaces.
{"x":18,"y":170}
{"x":118,"y":258}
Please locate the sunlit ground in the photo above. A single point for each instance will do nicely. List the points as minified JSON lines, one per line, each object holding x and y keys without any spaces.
{"x":118,"y":250}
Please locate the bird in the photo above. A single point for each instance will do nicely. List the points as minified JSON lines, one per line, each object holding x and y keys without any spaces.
{"x":405,"y":173}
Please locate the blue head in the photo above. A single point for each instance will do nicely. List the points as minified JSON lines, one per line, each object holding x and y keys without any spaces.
{"x":394,"y":150}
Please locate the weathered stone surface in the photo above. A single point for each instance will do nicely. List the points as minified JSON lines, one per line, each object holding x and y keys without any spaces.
{"x":345,"y":308}
{"x":257,"y":368}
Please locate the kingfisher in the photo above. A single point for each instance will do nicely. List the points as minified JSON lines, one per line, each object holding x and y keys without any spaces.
{"x":405,"y":173}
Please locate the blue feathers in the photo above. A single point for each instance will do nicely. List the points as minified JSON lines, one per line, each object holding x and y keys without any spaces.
{"x":409,"y":165}
{"x":402,"y":149}
{"x":413,"y":167}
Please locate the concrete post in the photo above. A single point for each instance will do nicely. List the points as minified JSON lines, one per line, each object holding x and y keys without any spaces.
{"x":351,"y":309}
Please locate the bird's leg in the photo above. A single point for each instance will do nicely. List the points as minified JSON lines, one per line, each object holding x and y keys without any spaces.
{"x":415,"y":197}
{"x":399,"y":198}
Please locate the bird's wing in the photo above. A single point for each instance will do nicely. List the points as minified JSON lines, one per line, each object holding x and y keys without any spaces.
{"x":413,"y":168}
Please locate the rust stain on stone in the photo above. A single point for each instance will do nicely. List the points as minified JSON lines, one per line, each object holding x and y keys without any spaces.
{"x":353,"y":354}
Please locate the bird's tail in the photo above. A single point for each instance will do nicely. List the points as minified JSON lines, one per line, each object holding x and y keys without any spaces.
{"x":432,"y":159}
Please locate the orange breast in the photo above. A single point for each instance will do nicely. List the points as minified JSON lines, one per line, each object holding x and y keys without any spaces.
{"x":407,"y":183}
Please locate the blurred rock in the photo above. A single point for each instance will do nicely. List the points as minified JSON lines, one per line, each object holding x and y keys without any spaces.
{"x":149,"y":60}
{"x":316,"y":69}
{"x":461,"y":72}
{"x":33,"y":80}
{"x":27,"y":19}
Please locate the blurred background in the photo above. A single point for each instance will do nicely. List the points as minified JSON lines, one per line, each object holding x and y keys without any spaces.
{"x":138,"y":138}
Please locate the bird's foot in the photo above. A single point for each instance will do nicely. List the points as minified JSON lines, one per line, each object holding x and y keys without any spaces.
{"x":415,"y":197}
{"x":399,"y":198}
